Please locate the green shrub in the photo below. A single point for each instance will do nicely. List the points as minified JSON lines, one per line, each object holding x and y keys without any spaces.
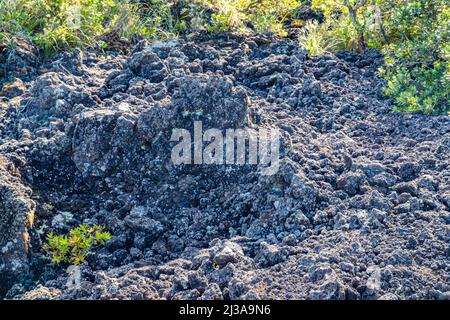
{"x":413,"y":36}
{"x":74,"y":248}
{"x":417,"y":67}
{"x":169,"y":19}
{"x":350,"y":19}
{"x":316,"y":37}
{"x":264,"y":15}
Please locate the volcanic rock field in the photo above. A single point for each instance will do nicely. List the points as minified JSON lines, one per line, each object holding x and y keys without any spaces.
{"x":359,"y":208}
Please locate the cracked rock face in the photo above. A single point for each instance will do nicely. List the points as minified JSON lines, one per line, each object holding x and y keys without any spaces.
{"x":359,"y":208}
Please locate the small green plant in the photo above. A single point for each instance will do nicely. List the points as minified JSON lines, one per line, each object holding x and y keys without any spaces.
{"x":264,"y":15}
{"x":315,"y":37}
{"x":351,"y":20}
{"x":417,"y":68}
{"x":74,"y":248}
{"x":413,"y":36}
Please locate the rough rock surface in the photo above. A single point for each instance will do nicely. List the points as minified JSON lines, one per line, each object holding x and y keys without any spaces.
{"x":16,"y":218}
{"x":359,"y":209}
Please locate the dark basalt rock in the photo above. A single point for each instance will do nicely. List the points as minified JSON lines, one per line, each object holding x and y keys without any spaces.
{"x":359,"y":206}
{"x":17,"y":214}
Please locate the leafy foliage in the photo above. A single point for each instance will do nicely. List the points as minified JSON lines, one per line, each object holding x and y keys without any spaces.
{"x":74,"y":248}
{"x":316,"y":37}
{"x":417,"y":66}
{"x":263,"y":15}
{"x":168,"y":19}
{"x":412,"y":34}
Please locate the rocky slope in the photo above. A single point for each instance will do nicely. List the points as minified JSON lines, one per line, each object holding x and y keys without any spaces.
{"x":360,"y":208}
